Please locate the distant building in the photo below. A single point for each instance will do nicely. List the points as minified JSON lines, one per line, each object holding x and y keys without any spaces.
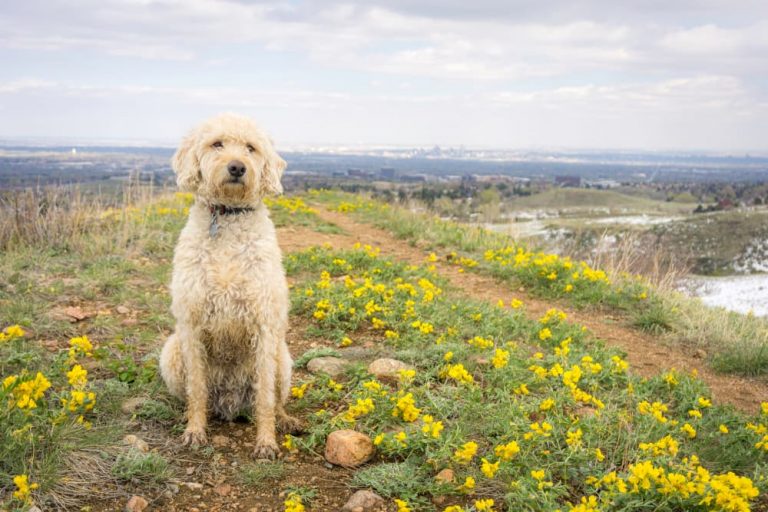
{"x":359,"y":173}
{"x":387,"y":173}
{"x":413,"y":178}
{"x":568,"y":181}
{"x":602,"y":184}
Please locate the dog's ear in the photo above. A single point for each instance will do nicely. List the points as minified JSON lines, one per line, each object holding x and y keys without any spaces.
{"x":186,"y":165}
{"x":273,"y":171}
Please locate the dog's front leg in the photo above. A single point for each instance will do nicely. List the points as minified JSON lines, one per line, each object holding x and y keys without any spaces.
{"x":265,"y":371}
{"x":196,"y":388}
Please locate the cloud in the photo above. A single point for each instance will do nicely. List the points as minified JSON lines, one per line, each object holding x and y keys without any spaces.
{"x":474,"y":70}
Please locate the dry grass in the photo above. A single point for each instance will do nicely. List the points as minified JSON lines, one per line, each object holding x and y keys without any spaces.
{"x":735,"y":343}
{"x":61,"y":217}
{"x":632,"y":254}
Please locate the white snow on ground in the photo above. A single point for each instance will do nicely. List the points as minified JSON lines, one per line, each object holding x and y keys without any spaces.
{"x":737,"y":293}
{"x":637,"y":220}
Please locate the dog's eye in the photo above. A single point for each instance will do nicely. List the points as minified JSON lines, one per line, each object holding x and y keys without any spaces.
{"x":218,"y":144}
{"x":251,"y":148}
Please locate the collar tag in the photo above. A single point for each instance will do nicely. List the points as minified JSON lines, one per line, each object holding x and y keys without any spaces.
{"x":213,"y":229}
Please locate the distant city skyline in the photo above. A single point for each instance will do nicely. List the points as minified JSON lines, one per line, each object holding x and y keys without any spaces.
{"x":582,"y":74}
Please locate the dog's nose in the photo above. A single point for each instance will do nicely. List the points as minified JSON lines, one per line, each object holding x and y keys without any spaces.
{"x":236,"y":168}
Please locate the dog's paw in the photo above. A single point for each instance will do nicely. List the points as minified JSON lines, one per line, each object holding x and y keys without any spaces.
{"x":193,"y":437}
{"x":289,"y":425}
{"x":266,"y":450}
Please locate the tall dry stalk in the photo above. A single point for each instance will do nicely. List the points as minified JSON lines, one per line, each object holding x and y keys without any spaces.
{"x":632,"y":253}
{"x":62,"y":216}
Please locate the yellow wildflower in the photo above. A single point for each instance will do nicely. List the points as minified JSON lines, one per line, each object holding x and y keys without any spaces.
{"x":484,"y":505}
{"x":507,"y":451}
{"x":23,"y":487}
{"x":465,"y":454}
{"x":489,"y":469}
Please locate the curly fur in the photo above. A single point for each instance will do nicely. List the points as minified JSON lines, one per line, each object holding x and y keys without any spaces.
{"x":229,"y":293}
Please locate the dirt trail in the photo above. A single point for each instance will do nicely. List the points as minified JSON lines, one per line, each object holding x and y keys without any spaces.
{"x":646,"y":355}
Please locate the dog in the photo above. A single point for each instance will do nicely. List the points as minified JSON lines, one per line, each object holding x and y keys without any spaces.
{"x":229,"y":294}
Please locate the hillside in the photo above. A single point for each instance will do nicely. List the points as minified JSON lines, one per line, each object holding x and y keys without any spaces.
{"x":571,"y":198}
{"x":536,"y":392}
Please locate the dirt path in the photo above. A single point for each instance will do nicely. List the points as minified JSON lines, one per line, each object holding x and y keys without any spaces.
{"x":645,"y":353}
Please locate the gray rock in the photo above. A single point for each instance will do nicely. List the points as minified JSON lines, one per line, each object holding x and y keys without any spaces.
{"x":364,"y":501}
{"x":387,"y":369}
{"x":333,"y":366}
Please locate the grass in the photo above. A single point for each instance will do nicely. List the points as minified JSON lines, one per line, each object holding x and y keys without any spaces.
{"x":259,"y":473}
{"x":293,"y":211}
{"x":522,"y":405}
{"x":148,"y":467}
{"x":571,"y":198}
{"x":115,"y":268}
{"x":109,"y":257}
{"x":736,"y":344}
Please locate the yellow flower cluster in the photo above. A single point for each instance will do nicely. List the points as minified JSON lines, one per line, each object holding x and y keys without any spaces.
{"x":465,"y":454}
{"x":11,"y":332}
{"x":458,"y":373}
{"x":23,"y":488}
{"x":24,"y":391}
{"x":290,"y":204}
{"x":431,"y":427}
{"x":362,"y":407}
{"x":293,"y":503}
{"x":405,"y":407}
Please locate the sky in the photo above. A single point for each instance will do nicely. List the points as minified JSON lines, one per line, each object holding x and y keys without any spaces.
{"x":547,"y":74}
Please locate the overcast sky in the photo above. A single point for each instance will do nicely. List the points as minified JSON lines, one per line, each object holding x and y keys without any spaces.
{"x":646,"y":74}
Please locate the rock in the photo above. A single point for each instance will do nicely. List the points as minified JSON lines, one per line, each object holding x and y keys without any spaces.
{"x":438,"y":500}
{"x":348,"y":448}
{"x":445,"y":476}
{"x":223,"y":489}
{"x":34,"y":508}
{"x":132,"y":404}
{"x":333,"y":366}
{"x":220,"y":441}
{"x":51,"y":345}
{"x":364,"y":501}
{"x":136,"y":504}
{"x":122,"y":310}
{"x":192,"y":486}
{"x":386,"y":369}
{"x":136,"y":443}
{"x":586,"y":411}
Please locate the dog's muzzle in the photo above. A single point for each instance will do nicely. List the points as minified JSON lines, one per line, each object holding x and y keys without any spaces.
{"x":236,"y":169}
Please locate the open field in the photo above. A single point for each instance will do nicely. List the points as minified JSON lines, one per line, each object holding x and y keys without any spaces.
{"x":511,"y":383}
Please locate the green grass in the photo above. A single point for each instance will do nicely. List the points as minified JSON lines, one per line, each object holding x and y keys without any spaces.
{"x":260,"y":473}
{"x":502,"y":350}
{"x":134,"y":465}
{"x":736,"y":344}
{"x":564,"y":198}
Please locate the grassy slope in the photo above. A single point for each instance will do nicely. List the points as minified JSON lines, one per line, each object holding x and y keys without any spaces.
{"x":735,"y":343}
{"x":116,"y":270}
{"x":560,"y":198}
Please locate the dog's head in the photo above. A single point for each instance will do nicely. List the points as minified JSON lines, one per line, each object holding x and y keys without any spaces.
{"x":228,"y":160}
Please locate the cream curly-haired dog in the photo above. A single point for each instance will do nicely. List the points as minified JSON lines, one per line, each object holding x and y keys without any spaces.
{"x":229,"y":293}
